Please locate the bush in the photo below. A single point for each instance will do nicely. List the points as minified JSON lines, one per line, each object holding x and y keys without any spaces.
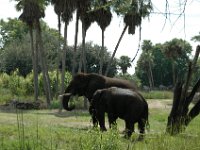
{"x":24,"y":86}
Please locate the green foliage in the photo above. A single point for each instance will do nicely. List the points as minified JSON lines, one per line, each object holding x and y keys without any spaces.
{"x":20,"y":86}
{"x":92,"y":57}
{"x":124,"y":63}
{"x":131,"y":78}
{"x":11,"y":30}
{"x":17,"y":52}
{"x":196,"y":38}
{"x":163,"y":68}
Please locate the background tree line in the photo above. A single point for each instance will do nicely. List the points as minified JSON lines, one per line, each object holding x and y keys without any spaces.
{"x":164,"y":64}
{"x":15,"y":51}
{"x":157,"y":65}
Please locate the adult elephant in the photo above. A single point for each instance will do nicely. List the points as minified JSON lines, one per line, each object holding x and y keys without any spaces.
{"x":121,"y":103}
{"x":84,"y":84}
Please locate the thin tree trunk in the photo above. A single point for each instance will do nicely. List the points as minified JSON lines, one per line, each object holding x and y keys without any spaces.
{"x":113,"y":55}
{"x":44,"y":65}
{"x":64,"y":59}
{"x":59,"y":56}
{"x":83,"y":49}
{"x":82,"y":61}
{"x":173,"y":73}
{"x":149,"y":78}
{"x":35,"y":69}
{"x":101,"y":58}
{"x":63,"y":65}
{"x":151,"y":75}
{"x":75,"y":44}
{"x":83,"y":58}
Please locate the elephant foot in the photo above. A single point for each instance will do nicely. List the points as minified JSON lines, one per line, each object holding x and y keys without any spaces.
{"x":141,"y":137}
{"x":125,"y":131}
{"x":103,"y":129}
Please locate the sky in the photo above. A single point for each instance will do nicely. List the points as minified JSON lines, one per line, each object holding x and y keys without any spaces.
{"x":158,"y":27}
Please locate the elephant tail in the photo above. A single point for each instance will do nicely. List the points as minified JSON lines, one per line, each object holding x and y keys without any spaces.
{"x":146,"y":116}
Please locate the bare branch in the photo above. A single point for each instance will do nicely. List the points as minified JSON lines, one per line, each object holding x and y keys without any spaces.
{"x":193,"y":113}
{"x":139,"y":43}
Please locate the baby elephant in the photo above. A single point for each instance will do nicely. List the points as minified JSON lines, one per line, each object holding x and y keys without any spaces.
{"x":126,"y":104}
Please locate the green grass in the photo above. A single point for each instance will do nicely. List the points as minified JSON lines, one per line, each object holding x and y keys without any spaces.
{"x":158,"y":95}
{"x":48,"y":130}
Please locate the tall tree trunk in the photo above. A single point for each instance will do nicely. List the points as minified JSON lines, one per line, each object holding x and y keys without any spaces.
{"x":43,"y":64}
{"x":82,"y":61}
{"x":64,"y":59}
{"x":180,"y":115}
{"x":59,"y":56}
{"x":101,"y":58}
{"x":173,"y":73}
{"x":35,"y":68}
{"x":64,"y":51}
{"x":75,"y":44}
{"x":113,"y":55}
{"x":151,"y":76}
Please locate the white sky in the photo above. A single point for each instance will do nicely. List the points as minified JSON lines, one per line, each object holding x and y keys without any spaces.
{"x":156,"y":28}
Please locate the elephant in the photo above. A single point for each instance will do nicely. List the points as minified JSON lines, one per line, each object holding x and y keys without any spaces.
{"x":84,"y":84}
{"x":121,"y":103}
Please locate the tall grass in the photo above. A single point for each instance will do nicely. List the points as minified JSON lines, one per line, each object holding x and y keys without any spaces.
{"x":40,"y":130}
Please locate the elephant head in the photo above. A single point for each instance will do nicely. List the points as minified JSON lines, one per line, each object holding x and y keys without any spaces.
{"x":77,"y":86}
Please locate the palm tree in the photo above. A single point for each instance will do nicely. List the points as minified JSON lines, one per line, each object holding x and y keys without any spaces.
{"x":64,"y":10}
{"x":58,"y":8}
{"x":67,"y":15}
{"x":133,"y":13}
{"x":147,"y":49}
{"x":175,"y":49}
{"x":103,"y":18}
{"x":32,"y":12}
{"x":87,"y":18}
{"x":124,"y":63}
{"x":24,"y":17}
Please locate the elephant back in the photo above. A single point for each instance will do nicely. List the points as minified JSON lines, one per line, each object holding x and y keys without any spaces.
{"x":114,"y":82}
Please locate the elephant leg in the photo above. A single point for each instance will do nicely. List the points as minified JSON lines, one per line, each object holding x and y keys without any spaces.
{"x":141,"y":126}
{"x":101,"y":119}
{"x":94,"y":118}
{"x":112,"y":120}
{"x":129,"y":128}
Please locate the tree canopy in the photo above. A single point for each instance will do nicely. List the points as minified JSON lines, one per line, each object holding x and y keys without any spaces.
{"x":163,"y":67}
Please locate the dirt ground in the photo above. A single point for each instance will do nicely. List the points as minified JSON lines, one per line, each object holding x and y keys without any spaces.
{"x":159,"y":103}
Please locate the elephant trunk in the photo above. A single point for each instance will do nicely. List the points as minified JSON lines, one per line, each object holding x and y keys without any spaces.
{"x":65,"y":102}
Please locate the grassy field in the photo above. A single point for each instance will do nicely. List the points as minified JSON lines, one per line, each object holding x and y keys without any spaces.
{"x":49,"y":130}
